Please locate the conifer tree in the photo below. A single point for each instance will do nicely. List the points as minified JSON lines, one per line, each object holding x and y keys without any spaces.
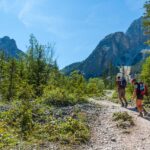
{"x":38,"y":65}
{"x":146,"y":19}
{"x":10,"y":80}
{"x":2,"y":67}
{"x":146,"y":23}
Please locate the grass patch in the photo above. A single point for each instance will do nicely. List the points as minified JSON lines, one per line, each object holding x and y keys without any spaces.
{"x":123,"y":119}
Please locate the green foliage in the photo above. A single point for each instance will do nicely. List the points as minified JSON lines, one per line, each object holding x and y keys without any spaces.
{"x":31,"y":121}
{"x":59,"y":97}
{"x":70,"y":131}
{"x":75,"y":130}
{"x":146,"y":71}
{"x":95,"y":87}
{"x":115,"y":97}
{"x":129,"y":91}
{"x":124,"y":116}
{"x":77,"y":83}
{"x":39,"y":71}
{"x":146,"y":19}
{"x":20,"y":115}
{"x":70,"y":90}
{"x":9,"y":84}
{"x":33,"y":84}
{"x":63,"y":91}
{"x":7,"y":136}
{"x":146,"y":65}
{"x":38,"y":67}
{"x":146,"y":79}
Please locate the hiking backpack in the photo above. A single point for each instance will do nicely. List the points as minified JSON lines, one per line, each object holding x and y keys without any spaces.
{"x":143,"y":89}
{"x":123,"y":83}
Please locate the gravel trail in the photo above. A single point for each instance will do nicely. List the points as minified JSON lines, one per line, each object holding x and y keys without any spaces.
{"x":107,"y":136}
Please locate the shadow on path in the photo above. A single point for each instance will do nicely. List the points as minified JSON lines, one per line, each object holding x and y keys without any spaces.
{"x":134,"y":109}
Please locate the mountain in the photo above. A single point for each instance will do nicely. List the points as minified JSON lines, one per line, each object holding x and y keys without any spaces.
{"x":115,"y":49}
{"x":72,"y":67}
{"x":9,"y":47}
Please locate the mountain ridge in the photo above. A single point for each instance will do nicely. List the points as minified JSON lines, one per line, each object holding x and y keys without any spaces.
{"x":115,"y":49}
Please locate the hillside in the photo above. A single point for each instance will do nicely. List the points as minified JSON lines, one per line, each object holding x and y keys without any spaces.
{"x":115,"y":49}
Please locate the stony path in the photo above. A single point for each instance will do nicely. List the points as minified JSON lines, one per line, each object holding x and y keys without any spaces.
{"x":106,"y":135}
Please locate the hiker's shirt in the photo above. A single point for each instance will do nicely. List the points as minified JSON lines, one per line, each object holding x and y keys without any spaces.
{"x":138,"y":92}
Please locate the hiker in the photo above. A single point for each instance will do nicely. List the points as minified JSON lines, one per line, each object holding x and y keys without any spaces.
{"x":138,"y":93}
{"x":121,"y":85}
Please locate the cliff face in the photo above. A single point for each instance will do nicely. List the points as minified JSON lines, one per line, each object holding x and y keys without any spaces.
{"x":9,"y":47}
{"x":115,"y":49}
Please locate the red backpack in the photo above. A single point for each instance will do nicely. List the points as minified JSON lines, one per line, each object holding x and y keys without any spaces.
{"x":143,"y":88}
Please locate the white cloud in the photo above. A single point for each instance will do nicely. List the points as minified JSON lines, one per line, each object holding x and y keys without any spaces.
{"x":25,"y":12}
{"x":23,"y":9}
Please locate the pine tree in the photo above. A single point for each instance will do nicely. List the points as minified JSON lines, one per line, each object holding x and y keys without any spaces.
{"x":38,"y":65}
{"x":146,"y":24}
{"x":10,"y":80}
{"x":146,"y":19}
{"x":77,"y":83}
{"x":2,"y":66}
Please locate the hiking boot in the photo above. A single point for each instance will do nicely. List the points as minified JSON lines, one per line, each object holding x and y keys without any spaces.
{"x":126,"y":104}
{"x":140,"y":114}
{"x":145,"y":113}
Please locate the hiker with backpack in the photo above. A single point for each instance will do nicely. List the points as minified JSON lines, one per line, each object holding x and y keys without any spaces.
{"x":121,"y":85}
{"x":139,"y":91}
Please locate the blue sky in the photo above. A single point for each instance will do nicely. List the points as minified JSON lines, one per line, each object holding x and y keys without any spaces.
{"x":75,"y":26}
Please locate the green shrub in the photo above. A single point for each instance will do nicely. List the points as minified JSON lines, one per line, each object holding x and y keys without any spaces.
{"x":61,"y":97}
{"x":19,"y":118}
{"x":124,"y":119}
{"x":70,"y":131}
{"x":75,"y":130}
{"x":124,"y":116}
{"x":8,"y":136}
{"x":95,"y":87}
{"x":35,"y":122}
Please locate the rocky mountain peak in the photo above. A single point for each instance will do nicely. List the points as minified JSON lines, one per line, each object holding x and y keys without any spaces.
{"x":9,"y":47}
{"x":115,"y":49}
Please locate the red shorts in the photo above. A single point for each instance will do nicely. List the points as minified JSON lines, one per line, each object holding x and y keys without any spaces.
{"x":139,"y":103}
